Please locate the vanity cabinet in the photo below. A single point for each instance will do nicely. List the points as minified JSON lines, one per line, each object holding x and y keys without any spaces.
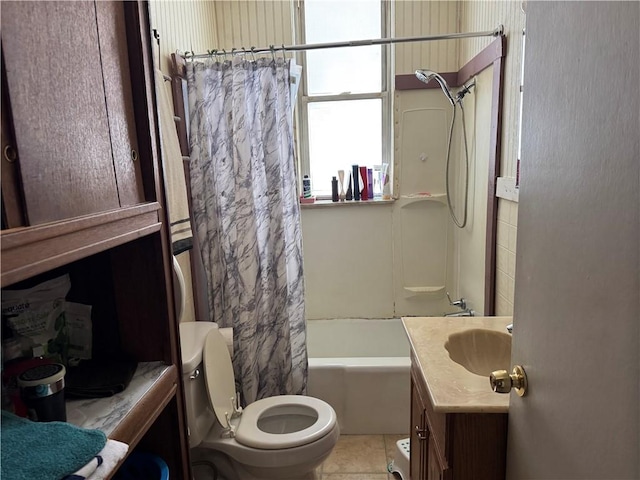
{"x":83,"y":196}
{"x":453,"y":445}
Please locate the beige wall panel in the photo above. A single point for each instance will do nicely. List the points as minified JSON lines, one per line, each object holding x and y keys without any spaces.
{"x":421,"y":18}
{"x":183,"y":26}
{"x":348,"y":261}
{"x":255,"y":23}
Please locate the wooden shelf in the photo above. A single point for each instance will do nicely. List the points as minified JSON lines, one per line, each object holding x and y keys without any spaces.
{"x":28,"y":251}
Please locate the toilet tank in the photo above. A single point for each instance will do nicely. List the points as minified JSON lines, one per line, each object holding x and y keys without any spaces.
{"x":200,"y":417}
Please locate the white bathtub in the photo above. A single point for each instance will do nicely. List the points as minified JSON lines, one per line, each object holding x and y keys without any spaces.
{"x":361,"y":368}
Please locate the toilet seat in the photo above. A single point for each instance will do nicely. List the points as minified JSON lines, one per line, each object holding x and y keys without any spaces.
{"x":249,"y":433}
{"x":315,"y":417}
{"x":219,"y":379}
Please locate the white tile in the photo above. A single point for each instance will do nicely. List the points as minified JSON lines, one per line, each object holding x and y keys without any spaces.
{"x":511,"y":264}
{"x":513,"y":216}
{"x":502,"y":236}
{"x":513,"y":238}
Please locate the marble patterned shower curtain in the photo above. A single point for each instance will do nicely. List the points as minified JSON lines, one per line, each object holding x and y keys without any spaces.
{"x":247,"y":218}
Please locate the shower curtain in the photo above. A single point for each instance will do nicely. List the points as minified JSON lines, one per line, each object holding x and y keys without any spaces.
{"x":247,"y":218}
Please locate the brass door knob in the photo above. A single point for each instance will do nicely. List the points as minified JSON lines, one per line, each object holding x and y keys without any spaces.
{"x":503,"y":381}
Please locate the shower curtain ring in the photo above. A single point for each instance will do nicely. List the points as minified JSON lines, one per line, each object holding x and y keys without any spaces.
{"x":273,"y":52}
{"x":253,"y":53}
{"x":284,"y":53}
{"x":224,"y":52}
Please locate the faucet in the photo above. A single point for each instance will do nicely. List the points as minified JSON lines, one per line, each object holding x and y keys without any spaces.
{"x":462,"y":303}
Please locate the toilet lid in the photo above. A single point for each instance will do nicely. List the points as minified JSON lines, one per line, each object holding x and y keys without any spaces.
{"x":221,"y":384}
{"x":320,"y":420}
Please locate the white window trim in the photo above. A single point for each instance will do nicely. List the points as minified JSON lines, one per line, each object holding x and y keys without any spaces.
{"x":386,"y":93}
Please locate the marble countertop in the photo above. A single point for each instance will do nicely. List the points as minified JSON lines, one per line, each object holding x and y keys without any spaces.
{"x":451,"y":387}
{"x":106,"y":413}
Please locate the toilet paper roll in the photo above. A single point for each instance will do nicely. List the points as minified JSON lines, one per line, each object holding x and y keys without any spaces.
{"x":227,"y":334}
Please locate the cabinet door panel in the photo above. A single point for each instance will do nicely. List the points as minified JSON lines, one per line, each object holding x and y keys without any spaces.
{"x":435,"y":471}
{"x":12,"y":215}
{"x":115,"y":68}
{"x":416,"y":460}
{"x":55,"y":83}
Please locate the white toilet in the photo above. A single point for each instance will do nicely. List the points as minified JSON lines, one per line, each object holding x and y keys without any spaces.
{"x":282,"y":437}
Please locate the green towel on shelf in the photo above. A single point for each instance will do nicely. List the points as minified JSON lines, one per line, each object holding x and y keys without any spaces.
{"x":45,"y":450}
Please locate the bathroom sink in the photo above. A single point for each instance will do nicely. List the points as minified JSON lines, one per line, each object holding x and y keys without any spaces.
{"x":480,"y":351}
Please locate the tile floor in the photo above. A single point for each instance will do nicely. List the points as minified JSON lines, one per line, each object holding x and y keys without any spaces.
{"x":360,"y":457}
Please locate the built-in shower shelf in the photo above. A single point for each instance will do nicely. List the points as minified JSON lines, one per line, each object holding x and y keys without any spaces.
{"x":432,"y":290}
{"x":423,"y":197}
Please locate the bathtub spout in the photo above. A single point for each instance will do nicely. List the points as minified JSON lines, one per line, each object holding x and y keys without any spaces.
{"x":466,"y":313}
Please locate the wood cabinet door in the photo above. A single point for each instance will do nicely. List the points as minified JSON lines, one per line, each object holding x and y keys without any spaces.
{"x":119,"y":101}
{"x":434,"y":470}
{"x":419,"y":436}
{"x":68,"y":91}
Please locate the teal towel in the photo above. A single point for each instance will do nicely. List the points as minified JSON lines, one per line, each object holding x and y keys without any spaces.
{"x":46,"y":450}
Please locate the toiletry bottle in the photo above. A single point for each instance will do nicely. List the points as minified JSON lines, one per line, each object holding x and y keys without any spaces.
{"x":377,"y":181}
{"x":356,"y":184}
{"x":334,"y":190}
{"x":364,"y":194}
{"x":306,"y":186}
{"x":349,"y":195}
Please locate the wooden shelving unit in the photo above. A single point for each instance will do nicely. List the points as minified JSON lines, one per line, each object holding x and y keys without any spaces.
{"x":75,"y":204}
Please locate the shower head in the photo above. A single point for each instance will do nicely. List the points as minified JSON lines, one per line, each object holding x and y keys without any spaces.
{"x":426,"y":76}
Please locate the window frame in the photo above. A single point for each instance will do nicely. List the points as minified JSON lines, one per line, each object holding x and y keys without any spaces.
{"x":304,"y":99}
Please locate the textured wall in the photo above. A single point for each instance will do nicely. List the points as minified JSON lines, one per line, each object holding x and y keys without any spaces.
{"x":486,"y":15}
{"x":255,"y":23}
{"x":420,"y":18}
{"x":183,"y":26}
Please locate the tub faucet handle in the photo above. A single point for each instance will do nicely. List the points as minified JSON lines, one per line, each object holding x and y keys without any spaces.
{"x":462,"y":303}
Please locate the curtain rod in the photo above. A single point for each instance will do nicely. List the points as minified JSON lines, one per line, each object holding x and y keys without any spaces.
{"x":354,"y":43}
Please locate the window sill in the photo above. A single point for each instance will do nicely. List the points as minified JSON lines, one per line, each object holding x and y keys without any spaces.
{"x":322,"y":203}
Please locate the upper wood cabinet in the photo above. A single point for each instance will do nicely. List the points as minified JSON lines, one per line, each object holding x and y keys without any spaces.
{"x":71,"y":122}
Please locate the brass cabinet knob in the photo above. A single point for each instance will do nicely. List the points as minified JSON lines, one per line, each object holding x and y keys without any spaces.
{"x":503,"y":381}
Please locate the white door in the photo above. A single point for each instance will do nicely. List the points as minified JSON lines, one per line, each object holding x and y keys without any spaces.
{"x":577,"y":300}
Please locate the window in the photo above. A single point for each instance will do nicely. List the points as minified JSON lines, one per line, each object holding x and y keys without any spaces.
{"x":344,"y":106}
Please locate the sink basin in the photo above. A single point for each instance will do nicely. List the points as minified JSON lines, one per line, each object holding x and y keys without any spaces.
{"x":480,"y":351}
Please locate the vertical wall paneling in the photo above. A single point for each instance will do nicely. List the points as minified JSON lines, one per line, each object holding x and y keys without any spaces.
{"x":253,"y":23}
{"x":418,"y":18}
